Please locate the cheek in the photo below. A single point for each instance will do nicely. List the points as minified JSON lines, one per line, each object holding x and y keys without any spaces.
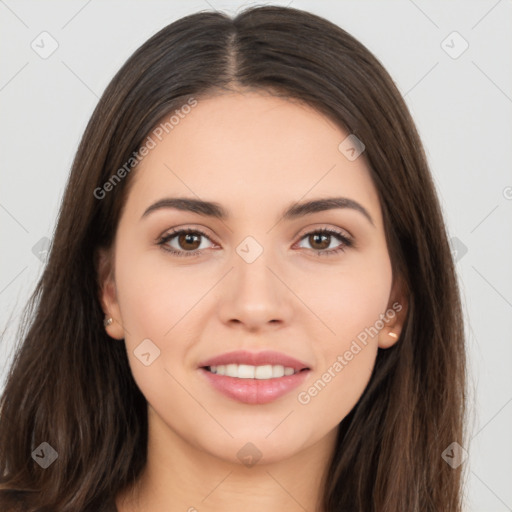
{"x":353,"y":305}
{"x":335,"y":389}
{"x":154,"y":302}
{"x":154,"y":296}
{"x":351,"y":299}
{"x":360,"y":303}
{"x":345,"y":359}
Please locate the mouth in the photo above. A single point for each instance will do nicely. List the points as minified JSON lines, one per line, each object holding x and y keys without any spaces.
{"x":254,"y":378}
{"x":247,"y":371}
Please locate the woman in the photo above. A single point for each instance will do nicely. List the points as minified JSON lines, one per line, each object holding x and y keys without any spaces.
{"x":304,"y":352}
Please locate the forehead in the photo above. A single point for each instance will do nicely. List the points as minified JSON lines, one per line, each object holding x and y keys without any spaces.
{"x":244,"y":148}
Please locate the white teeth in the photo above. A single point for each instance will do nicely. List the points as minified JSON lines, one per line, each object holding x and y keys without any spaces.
{"x":247,"y":371}
{"x":231,"y":370}
{"x":278,"y":371}
{"x":263,"y":372}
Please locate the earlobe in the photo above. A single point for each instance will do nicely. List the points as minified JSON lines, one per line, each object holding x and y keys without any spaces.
{"x":388,"y":337}
{"x":108,"y":295}
{"x":113,"y":327}
{"x":395,"y":316}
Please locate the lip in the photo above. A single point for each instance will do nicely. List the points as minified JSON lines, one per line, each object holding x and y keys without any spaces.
{"x":255,"y":359}
{"x":255,"y":391}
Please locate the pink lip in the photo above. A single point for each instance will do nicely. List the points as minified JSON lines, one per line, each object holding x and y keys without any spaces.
{"x":255,"y":359}
{"x":255,"y":391}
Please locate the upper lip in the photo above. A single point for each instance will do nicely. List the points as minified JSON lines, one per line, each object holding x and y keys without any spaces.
{"x":255,"y":359}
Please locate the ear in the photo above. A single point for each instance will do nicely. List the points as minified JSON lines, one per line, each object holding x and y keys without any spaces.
{"x":108,"y":293}
{"x":395,"y":315}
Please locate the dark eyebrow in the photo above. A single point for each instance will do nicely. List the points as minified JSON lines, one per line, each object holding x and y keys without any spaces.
{"x":320,"y":205}
{"x":296,"y":210}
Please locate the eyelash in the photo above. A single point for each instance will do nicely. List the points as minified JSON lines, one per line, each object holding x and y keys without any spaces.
{"x":346,"y":242}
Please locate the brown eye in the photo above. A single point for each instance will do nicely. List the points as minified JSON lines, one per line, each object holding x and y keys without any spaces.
{"x":189,"y":241}
{"x":320,"y":241}
{"x":184,"y":242}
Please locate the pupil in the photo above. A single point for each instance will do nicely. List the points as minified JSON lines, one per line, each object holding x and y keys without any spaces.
{"x":323,"y":245}
{"x":188,"y":238}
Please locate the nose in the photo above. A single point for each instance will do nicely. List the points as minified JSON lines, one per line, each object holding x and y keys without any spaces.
{"x":254,"y":296}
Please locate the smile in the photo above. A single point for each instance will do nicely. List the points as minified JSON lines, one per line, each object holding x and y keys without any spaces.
{"x":254,"y":378}
{"x":247,"y":371}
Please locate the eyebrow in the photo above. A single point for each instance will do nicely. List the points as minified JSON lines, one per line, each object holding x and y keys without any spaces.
{"x":294,"y":211}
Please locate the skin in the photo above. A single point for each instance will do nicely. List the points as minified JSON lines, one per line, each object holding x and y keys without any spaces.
{"x":254,"y":154}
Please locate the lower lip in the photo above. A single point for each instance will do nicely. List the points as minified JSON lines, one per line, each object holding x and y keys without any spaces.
{"x":255,"y":391}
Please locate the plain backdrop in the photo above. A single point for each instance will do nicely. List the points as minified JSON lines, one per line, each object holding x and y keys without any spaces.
{"x":451,"y":60}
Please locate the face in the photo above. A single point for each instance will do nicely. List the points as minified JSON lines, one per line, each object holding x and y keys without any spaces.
{"x":290,"y":307}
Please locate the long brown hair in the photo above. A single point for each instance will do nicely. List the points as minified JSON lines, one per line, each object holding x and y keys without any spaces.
{"x":71,"y":387}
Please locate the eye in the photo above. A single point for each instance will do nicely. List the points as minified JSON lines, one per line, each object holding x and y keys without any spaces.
{"x":321,"y":239}
{"x":188,"y":241}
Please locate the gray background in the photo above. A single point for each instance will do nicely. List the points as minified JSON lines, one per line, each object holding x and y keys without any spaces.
{"x":462,"y":107}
